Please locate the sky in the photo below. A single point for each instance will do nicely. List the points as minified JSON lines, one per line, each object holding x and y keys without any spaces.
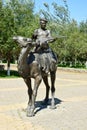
{"x":77,"y":8}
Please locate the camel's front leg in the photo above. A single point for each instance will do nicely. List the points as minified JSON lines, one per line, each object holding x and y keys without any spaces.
{"x":37,"y":82}
{"x":28,"y":83}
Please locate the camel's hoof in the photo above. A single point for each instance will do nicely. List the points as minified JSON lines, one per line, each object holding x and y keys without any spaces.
{"x":53,"y":107}
{"x":30,"y":114}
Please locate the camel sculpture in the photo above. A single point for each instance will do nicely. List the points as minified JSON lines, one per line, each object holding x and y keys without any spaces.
{"x":33,"y":70}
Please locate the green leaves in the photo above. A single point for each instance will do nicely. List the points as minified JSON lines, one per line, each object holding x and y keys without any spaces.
{"x":15,"y":19}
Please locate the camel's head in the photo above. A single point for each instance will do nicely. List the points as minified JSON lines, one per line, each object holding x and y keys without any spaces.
{"x":22,"y":41}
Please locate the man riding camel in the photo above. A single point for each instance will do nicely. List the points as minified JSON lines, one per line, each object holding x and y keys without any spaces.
{"x":41,"y":38}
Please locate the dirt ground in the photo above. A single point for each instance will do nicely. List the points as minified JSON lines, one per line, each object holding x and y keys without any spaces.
{"x":70,"y":97}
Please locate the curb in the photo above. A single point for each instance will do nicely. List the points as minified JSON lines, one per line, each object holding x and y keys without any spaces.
{"x":72,"y":70}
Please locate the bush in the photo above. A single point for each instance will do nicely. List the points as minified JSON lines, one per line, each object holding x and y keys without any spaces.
{"x":72,"y":64}
{"x":13,"y":73}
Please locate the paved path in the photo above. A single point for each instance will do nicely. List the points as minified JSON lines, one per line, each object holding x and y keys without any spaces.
{"x":71,"y":102}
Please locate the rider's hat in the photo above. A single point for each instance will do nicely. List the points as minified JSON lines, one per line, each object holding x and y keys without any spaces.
{"x":43,"y":20}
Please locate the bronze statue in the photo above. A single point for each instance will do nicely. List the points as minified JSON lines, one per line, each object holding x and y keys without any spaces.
{"x":42,"y":37}
{"x":36,"y":60}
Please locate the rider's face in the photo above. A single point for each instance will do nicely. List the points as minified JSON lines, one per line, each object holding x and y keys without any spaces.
{"x":43,"y":24}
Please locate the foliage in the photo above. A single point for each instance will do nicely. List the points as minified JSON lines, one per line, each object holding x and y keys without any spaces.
{"x":17,"y":17}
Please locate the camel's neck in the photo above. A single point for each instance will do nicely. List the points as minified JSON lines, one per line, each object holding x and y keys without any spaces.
{"x":23,"y":56}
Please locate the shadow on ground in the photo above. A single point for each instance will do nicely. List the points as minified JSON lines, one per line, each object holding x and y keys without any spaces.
{"x":39,"y":106}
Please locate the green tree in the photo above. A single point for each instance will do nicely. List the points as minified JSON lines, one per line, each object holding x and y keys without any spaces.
{"x":75,"y":42}
{"x":83,"y":27}
{"x":16,"y":20}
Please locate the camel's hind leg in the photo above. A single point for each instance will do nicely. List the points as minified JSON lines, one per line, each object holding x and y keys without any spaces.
{"x":53,"y":77}
{"x":45,"y":80}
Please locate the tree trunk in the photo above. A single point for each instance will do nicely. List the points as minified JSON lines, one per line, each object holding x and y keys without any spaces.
{"x":8,"y":67}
